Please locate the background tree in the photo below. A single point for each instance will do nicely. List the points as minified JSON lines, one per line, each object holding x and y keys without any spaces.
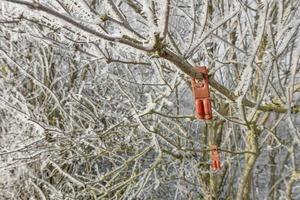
{"x":96,"y":99}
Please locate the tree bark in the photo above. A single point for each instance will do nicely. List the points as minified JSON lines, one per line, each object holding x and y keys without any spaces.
{"x":245,"y":182}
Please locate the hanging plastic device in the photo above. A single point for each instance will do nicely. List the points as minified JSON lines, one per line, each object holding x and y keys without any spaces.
{"x":215,"y":158}
{"x":203,"y":109}
{"x":201,"y":94}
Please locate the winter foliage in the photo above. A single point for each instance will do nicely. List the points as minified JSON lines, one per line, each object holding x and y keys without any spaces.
{"x":96,"y":101}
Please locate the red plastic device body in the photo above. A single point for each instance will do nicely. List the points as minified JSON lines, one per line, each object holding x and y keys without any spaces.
{"x":215,"y":158}
{"x":202,"y":96}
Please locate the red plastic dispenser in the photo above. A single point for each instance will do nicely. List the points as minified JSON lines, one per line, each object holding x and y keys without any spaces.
{"x":201,"y":94}
{"x":215,"y":158}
